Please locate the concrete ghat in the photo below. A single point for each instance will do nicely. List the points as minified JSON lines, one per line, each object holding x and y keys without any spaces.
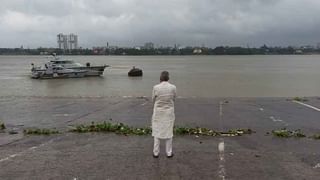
{"x":109,"y":156}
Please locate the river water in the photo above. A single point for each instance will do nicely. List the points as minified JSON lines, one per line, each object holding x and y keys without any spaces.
{"x":194,"y":76}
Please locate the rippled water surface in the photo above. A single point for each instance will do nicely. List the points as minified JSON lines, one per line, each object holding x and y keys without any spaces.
{"x":194,"y":76}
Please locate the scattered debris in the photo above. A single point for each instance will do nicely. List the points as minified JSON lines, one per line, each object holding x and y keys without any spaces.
{"x":194,"y":131}
{"x":297,"y":133}
{"x":235,"y":132}
{"x":2,"y":126}
{"x":281,"y":133}
{"x":38,"y":131}
{"x":120,"y":128}
{"x":300,"y":99}
{"x":287,"y":133}
{"x":316,"y":136}
{"x":209,"y":132}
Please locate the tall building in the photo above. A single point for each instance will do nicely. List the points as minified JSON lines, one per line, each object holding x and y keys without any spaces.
{"x":67,"y":42}
{"x":149,"y":45}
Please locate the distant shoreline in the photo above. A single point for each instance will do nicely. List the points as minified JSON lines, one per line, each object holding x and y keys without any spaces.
{"x":165,"y":51}
{"x":164,"y":55}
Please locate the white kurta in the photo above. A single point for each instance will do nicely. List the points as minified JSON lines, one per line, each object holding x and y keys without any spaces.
{"x":163,"y":96}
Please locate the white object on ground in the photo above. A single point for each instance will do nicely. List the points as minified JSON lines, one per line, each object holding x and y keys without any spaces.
{"x":307,"y":105}
{"x":317,"y":166}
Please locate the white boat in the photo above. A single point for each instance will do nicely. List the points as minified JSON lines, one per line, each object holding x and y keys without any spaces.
{"x":59,"y":68}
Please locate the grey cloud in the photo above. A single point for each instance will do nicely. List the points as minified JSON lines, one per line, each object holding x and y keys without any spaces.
{"x":35,"y":23}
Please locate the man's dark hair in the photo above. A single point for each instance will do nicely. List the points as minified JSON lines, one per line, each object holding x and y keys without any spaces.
{"x":164,"y":76}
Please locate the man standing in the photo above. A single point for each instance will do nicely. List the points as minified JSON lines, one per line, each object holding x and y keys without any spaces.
{"x":163,"y":97}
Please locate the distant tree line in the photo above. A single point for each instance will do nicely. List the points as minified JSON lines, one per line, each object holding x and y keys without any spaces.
{"x":221,"y":50}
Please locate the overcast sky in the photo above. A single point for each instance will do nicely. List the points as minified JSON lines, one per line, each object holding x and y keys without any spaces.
{"x":35,"y":23}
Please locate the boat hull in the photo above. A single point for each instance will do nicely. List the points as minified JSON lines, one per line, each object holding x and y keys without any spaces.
{"x":92,"y":70}
{"x":77,"y":72}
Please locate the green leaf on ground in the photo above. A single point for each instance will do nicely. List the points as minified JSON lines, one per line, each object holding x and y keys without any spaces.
{"x":300,"y":99}
{"x":284,"y":133}
{"x":120,"y":128}
{"x":316,"y":136}
{"x":2,"y":126}
{"x":38,"y":131}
